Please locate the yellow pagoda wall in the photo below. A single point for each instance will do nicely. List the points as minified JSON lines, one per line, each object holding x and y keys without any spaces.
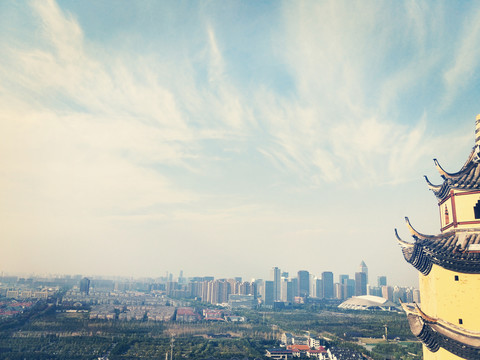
{"x":464,"y":204}
{"x":448,"y":299}
{"x":459,"y":208}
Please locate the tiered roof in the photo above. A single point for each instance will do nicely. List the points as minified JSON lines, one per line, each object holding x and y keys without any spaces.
{"x":457,"y":250}
{"x":454,"y":250}
{"x":436,"y":333}
{"x":468,"y":178}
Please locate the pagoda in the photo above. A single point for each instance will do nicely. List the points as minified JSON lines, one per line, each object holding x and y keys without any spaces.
{"x":448,"y":319}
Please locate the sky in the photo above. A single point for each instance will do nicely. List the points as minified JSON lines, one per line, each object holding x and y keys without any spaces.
{"x":224,"y":138}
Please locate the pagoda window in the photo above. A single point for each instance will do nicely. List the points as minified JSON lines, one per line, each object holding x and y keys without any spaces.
{"x":476,"y":210}
{"x":456,"y":277}
{"x":460,"y":321}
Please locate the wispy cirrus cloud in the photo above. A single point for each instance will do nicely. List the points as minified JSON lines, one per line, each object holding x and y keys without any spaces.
{"x":344,"y":121}
{"x":465,"y":58}
{"x":165,"y":137}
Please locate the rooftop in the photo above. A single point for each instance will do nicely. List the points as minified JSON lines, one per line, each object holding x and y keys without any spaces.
{"x":467,"y":178}
{"x":455,"y":250}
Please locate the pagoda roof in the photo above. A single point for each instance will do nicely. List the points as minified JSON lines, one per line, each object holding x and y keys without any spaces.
{"x":436,"y":333}
{"x":468,"y":178}
{"x":455,"y":250}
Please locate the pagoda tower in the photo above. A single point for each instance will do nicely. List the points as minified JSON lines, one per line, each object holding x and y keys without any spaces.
{"x":448,"y":319}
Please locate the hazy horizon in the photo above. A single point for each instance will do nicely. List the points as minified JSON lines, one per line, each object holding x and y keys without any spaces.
{"x":226,"y":138}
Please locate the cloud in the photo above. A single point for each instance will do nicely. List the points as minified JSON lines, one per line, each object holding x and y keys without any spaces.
{"x":131,"y":144}
{"x":84,"y":134}
{"x":465,"y":58}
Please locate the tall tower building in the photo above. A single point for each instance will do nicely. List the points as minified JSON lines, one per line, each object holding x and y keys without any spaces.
{"x":303,"y":283}
{"x":381,"y":281}
{"x":364,"y":269}
{"x":360,"y":283}
{"x":277,"y":287}
{"x":328,"y":289}
{"x":268,"y":298}
{"x":448,"y":319}
{"x":85,"y":286}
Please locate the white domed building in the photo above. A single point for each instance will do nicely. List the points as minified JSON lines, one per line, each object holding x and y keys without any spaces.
{"x":368,"y":302}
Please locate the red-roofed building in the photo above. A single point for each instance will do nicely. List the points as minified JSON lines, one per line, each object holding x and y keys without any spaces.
{"x":298,"y":347}
{"x":186,"y":315}
{"x":317,"y":353}
{"x":279,"y":354}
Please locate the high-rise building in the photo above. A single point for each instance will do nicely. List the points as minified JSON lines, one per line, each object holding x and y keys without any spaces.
{"x":360,"y":283}
{"x":303,"y":283}
{"x":350,"y":288}
{"x":313,"y":286}
{"x":85,"y":286}
{"x":328,"y":289}
{"x":284,"y":289}
{"x":277,"y":290}
{"x":342,"y":279}
{"x":290,"y":291}
{"x":319,"y":288}
{"x":364,"y":269}
{"x":294,"y":282}
{"x":381,"y":281}
{"x":268,"y":294}
{"x":339,"y":293}
{"x":387,"y":292}
{"x":448,"y":319}
{"x":374,"y":290}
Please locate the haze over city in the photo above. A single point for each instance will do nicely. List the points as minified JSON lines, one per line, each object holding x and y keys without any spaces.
{"x":225,"y":138}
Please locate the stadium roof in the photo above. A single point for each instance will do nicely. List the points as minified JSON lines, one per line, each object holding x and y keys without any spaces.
{"x":368,"y":302}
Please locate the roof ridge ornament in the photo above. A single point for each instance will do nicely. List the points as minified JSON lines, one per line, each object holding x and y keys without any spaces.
{"x":432,"y":186}
{"x":476,"y":148}
{"x":476,"y":153}
{"x":402,"y":243}
{"x":442,"y":172}
{"x":423,"y":315}
{"x":477,"y":130}
{"x":414,"y":232}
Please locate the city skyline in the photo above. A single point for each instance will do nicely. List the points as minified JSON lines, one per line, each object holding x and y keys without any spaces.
{"x":228,"y":138}
{"x":276,"y":274}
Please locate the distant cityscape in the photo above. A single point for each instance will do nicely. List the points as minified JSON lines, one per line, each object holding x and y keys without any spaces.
{"x":280,"y":290}
{"x":204,"y":310}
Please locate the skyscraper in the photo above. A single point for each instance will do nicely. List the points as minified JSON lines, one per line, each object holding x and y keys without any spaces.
{"x":381,"y":281}
{"x":294,"y":282}
{"x":268,"y":296}
{"x":319,"y":288}
{"x":448,"y":320}
{"x":363,"y":268}
{"x":85,"y":286}
{"x":360,"y":283}
{"x":328,"y":288}
{"x":303,"y":283}
{"x":277,"y":289}
{"x":342,"y":279}
{"x":350,"y":288}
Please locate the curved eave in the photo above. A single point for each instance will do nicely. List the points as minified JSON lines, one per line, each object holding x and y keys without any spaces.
{"x":465,"y":169}
{"x":402,"y":243}
{"x":443,"y":250}
{"x":422,"y":257}
{"x":443,"y":190}
{"x":434,"y":188}
{"x":415,"y":233}
{"x":435,"y":333}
